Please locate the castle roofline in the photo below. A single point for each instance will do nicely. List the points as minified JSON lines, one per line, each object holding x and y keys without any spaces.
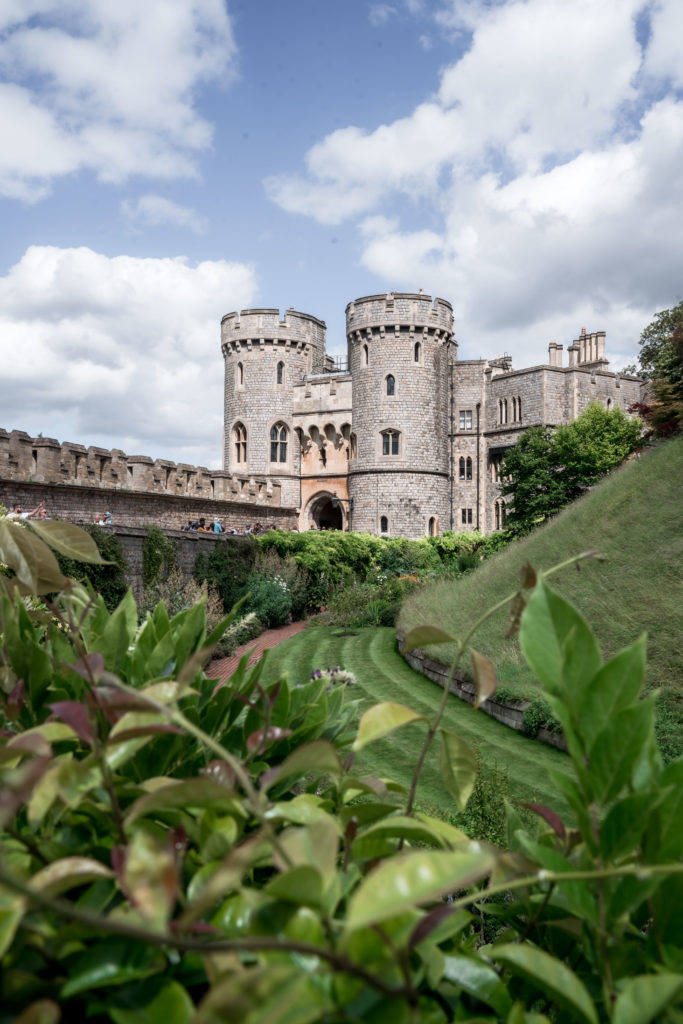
{"x":274,"y":312}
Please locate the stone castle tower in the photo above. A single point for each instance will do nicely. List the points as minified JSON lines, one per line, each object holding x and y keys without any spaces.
{"x":405,"y":439}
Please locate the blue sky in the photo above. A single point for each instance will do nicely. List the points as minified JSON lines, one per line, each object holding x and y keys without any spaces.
{"x":167,"y":162}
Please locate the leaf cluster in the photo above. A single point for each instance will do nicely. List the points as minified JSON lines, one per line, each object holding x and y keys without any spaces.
{"x":173,"y":848}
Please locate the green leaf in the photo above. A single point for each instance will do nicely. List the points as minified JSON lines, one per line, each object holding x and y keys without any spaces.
{"x":415,"y":878}
{"x":670,"y":814}
{"x":614,"y":687}
{"x":382,"y":719}
{"x":480,"y":980}
{"x":425,"y":636}
{"x":617,"y":748}
{"x":67,"y":873}
{"x":622,"y":830}
{"x":112,"y":961}
{"x":302,"y":885}
{"x":35,"y":566}
{"x":642,"y":999}
{"x":69,"y":540}
{"x":395,"y":827}
{"x":550,"y":625}
{"x":318,"y":756}
{"x":484,"y":677}
{"x":169,"y":1003}
{"x":12,"y":907}
{"x":550,"y":976}
{"x":199,"y":792}
{"x":458,"y":767}
{"x":316,"y":844}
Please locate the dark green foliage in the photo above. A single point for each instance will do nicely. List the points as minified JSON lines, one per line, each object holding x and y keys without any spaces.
{"x":107,"y":580}
{"x":268,"y":599}
{"x":547,"y":469}
{"x":659,"y":358}
{"x":158,"y":556}
{"x":228,"y":567}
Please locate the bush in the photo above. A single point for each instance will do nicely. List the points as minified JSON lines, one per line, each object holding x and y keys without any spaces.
{"x":178,"y":594}
{"x":107,"y":580}
{"x":268,"y":599}
{"x":227,"y":568}
{"x":159,"y":556}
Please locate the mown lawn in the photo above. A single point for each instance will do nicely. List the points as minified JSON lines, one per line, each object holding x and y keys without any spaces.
{"x":635,"y":519}
{"x":383,"y":675}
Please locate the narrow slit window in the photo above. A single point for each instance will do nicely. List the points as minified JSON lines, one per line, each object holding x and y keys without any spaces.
{"x":391,"y":385}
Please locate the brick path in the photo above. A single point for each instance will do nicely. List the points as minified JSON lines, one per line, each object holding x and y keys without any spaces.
{"x":223,"y":668}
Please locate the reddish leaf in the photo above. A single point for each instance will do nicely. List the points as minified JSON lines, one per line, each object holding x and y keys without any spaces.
{"x":516,"y":609}
{"x":90,"y":666}
{"x":219,"y":771}
{"x":553,"y":819}
{"x":31,"y":743}
{"x":428,"y":923}
{"x":484,"y":677}
{"x":273,"y":695}
{"x":118,"y":860}
{"x":263,"y":736}
{"x":15,"y":701}
{"x":76,"y":715}
{"x":528,"y":576}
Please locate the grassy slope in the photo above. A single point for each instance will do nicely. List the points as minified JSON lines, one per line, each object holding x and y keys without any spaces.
{"x":382,"y":674}
{"x":634,"y":518}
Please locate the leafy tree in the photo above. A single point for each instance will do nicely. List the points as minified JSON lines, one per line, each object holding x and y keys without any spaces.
{"x":546,"y":470}
{"x":661,"y":361}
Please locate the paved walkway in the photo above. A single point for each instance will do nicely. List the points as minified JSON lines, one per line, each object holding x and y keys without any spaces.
{"x":223,"y":668}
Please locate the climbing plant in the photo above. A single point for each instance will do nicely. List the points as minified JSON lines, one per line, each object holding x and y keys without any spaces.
{"x":159,"y":554}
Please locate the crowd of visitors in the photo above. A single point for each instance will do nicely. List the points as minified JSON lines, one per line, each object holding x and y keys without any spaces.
{"x":216,"y":526}
{"x":39,"y":512}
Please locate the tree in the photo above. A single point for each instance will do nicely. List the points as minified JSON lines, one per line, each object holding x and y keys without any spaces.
{"x":661,"y":362}
{"x":546,"y":470}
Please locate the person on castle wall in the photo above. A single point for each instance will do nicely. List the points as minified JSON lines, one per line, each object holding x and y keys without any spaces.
{"x":18,"y":512}
{"x":202,"y":525}
{"x":217,"y":527}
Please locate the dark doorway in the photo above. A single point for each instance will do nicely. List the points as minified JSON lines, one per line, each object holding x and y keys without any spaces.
{"x":327,"y":515}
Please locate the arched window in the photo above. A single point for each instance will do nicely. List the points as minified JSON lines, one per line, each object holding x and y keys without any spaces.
{"x":383,"y":524}
{"x":239,"y":434}
{"x":514,"y":410}
{"x":519,"y":410}
{"x":240,"y":375}
{"x":417,"y":352}
{"x":278,"y":443}
{"x":505,"y":411}
{"x":365,"y":355}
{"x":280,"y":372}
{"x":462,"y":468}
{"x":500,"y":410}
{"x":468,"y":469}
{"x":390,"y":442}
{"x":609,"y":404}
{"x":497,"y":514}
{"x":431,"y":526}
{"x":391,"y":385}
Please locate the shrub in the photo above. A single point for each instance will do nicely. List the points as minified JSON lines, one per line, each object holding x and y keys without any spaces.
{"x":107,"y":580}
{"x":178,"y":594}
{"x":159,"y":554}
{"x":227,"y":568}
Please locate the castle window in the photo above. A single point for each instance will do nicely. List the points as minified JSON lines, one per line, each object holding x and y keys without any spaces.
{"x":239,"y":434}
{"x":390,"y":442}
{"x":462,"y":469}
{"x":609,"y":404}
{"x":497,"y":515}
{"x":384,"y":524}
{"x":514,"y":410}
{"x":240,"y":375}
{"x":278,"y":443}
{"x":365,"y":355}
{"x":519,"y":410}
{"x":280,"y":373}
{"x":468,"y":469}
{"x":499,"y":510}
{"x":417,"y":352}
{"x":466,"y":516}
{"x":432,"y":527}
{"x":391,"y":385}
{"x":465,"y":419}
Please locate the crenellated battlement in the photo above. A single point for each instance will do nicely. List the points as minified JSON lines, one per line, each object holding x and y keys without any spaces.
{"x":412,"y":309}
{"x":253,"y":328}
{"x":45,"y":460}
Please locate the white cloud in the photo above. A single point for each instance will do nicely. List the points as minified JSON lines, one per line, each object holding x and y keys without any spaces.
{"x":379,"y":14}
{"x":548,"y":162}
{"x":106,"y":86}
{"x":154,"y":211}
{"x":123,"y":352}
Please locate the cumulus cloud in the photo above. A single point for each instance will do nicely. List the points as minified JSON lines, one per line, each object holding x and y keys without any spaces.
{"x":547,"y":161}
{"x":110,"y":87}
{"x":379,"y":14}
{"x":154,"y":211}
{"x":122,"y":352}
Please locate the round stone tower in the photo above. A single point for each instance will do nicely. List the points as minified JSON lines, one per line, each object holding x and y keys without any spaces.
{"x":399,"y":349}
{"x":264,"y":357}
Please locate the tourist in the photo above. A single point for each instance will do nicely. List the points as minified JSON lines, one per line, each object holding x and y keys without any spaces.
{"x":18,"y":512}
{"x":217,"y":528}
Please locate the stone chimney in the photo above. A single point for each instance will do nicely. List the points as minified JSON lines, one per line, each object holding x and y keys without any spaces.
{"x":555,"y":353}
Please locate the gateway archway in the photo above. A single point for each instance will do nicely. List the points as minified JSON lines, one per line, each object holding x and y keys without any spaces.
{"x":326,"y":512}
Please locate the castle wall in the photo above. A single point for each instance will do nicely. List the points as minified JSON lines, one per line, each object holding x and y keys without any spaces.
{"x":399,"y":347}
{"x":265,"y":357}
{"x":322,"y":417}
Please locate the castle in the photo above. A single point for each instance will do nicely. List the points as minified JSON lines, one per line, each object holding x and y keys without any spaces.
{"x":403,"y":439}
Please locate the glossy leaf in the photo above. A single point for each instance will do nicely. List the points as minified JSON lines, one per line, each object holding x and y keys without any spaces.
{"x":551,"y":977}
{"x":551,"y":817}
{"x":458,"y":767}
{"x":302,"y":885}
{"x":77,"y":716}
{"x":480,"y":980}
{"x":318,"y":756}
{"x":165,"y":1004}
{"x":263,"y":737}
{"x":615,"y":686}
{"x":12,"y":908}
{"x":35,"y":566}
{"x":617,"y":748}
{"x":67,"y":873}
{"x":484,"y":677}
{"x":414,"y":878}
{"x":425,"y":636}
{"x":199,"y":792}
{"x":670,"y":813}
{"x":112,"y":961}
{"x":644,"y":998}
{"x":622,"y":830}
{"x":382,"y":719}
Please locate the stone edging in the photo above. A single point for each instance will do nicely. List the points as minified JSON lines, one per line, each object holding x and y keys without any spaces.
{"x":510,"y":714}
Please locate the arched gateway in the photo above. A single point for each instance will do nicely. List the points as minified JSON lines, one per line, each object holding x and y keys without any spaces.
{"x":325,"y":512}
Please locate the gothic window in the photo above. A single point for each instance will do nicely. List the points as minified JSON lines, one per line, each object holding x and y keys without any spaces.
{"x":365,"y":355}
{"x":390,"y":442}
{"x":468,"y":469}
{"x":497,"y":515}
{"x":465,"y":419}
{"x":278,"y":443}
{"x":280,"y":372}
{"x":505,"y":411}
{"x":239,"y":434}
{"x":514,"y":410}
{"x":462,"y":469}
{"x":417,"y":352}
{"x":609,"y":404}
{"x":519,"y":410}
{"x":354,"y":446}
{"x":391,"y":385}
{"x":432,"y":527}
{"x":240,"y":375}
{"x":384,"y":524}
{"x":466,"y":516}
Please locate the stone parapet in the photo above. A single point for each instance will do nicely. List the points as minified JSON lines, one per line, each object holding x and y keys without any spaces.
{"x":251,"y":328}
{"x":399,"y":308}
